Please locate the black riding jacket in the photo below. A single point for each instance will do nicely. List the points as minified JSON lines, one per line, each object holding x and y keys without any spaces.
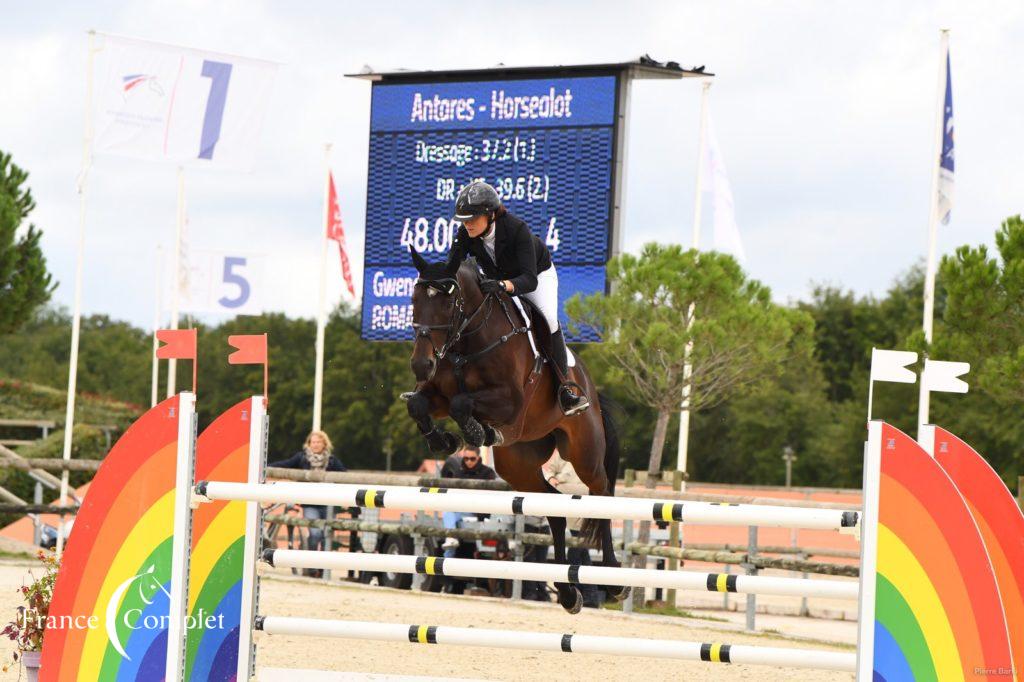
{"x":519,"y":253}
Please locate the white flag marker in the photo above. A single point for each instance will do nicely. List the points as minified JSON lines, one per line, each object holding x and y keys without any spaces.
{"x":890,"y":365}
{"x":942,"y":376}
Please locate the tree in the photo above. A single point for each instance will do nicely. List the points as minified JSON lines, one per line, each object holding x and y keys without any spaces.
{"x":983,"y":323}
{"x":25,"y":284}
{"x":739,"y":336}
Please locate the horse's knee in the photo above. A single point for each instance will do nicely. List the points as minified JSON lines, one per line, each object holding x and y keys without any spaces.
{"x":418,"y":406}
{"x":461,"y":408}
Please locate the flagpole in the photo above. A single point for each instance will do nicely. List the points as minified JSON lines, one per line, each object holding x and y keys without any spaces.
{"x":933,"y":225}
{"x":76,"y":317}
{"x":179,"y":228}
{"x":321,"y":312}
{"x":684,"y":410}
{"x":155,"y":377}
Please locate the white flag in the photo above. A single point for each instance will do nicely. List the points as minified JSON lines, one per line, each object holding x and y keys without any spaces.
{"x":231,"y":283}
{"x":942,"y":376}
{"x":891,"y":365}
{"x":726,"y":233}
{"x":168,"y":103}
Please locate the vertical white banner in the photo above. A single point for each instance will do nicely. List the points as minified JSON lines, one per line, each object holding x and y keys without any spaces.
{"x":169,"y":103}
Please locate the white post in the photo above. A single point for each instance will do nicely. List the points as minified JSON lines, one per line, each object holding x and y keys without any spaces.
{"x":933,"y":224}
{"x":252,"y":546}
{"x":155,"y":375}
{"x":181,"y":543}
{"x":684,"y":410}
{"x":321,"y":312}
{"x":179,"y":229}
{"x":76,"y":318}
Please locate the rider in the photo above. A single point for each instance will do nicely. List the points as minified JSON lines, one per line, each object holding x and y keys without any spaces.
{"x":518,"y":262}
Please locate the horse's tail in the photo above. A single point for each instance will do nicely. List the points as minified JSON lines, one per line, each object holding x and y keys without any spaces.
{"x":612,"y":446}
{"x":590,"y":529}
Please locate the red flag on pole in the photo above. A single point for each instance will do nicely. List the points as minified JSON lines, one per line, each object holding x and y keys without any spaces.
{"x":179,"y":344}
{"x":251,"y":349}
{"x":336,"y":231}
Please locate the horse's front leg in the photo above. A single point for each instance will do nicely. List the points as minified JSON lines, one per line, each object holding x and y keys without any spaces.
{"x":492,"y":405}
{"x":420,"y":405}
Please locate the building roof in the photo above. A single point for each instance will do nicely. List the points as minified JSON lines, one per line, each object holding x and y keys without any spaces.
{"x":642,"y":67}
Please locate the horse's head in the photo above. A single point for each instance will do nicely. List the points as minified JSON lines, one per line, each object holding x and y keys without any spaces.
{"x":439,"y":302}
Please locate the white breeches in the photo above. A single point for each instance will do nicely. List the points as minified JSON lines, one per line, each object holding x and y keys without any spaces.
{"x":545,"y":297}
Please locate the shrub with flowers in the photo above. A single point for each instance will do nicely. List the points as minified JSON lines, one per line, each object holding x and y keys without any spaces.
{"x":28,"y":627}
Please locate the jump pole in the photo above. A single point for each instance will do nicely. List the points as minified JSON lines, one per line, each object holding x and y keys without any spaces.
{"x":596,"y":575}
{"x":533,"y":504}
{"x":558,"y":642}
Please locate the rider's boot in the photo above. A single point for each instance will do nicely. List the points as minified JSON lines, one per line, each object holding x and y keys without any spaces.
{"x":571,"y":397}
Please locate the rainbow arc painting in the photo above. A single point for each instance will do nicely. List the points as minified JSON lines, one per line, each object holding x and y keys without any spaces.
{"x":931,"y":608}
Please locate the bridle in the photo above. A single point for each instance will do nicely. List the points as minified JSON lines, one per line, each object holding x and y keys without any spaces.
{"x":456,"y":328}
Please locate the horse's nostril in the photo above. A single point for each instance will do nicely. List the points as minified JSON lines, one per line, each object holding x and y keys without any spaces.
{"x":422,"y":367}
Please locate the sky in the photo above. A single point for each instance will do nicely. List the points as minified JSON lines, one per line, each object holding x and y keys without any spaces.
{"x":824,"y":112}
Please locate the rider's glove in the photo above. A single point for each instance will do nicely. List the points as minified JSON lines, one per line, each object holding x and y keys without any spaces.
{"x":491,"y":286}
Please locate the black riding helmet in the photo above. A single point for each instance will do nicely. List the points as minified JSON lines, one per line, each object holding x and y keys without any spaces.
{"x":476,"y":198}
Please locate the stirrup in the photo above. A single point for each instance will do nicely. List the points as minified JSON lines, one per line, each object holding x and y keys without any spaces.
{"x":582,"y":402}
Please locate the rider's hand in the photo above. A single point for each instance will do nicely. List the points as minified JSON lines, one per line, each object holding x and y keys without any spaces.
{"x":491,"y":286}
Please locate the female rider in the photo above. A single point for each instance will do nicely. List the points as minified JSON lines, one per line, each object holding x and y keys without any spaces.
{"x":517,"y":261}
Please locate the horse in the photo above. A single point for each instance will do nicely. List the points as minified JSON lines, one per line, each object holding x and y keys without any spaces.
{"x":473,"y":362}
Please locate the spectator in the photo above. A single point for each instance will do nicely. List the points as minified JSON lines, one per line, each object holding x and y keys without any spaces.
{"x":562,"y":477}
{"x":315,"y":455}
{"x":463,"y":464}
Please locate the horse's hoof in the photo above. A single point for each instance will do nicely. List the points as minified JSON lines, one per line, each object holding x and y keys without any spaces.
{"x":577,"y":604}
{"x":622,"y":594}
{"x":453,"y":443}
{"x":473,"y":432}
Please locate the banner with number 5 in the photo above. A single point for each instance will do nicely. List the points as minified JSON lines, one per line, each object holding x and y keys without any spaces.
{"x":169,"y":103}
{"x":221,"y":282}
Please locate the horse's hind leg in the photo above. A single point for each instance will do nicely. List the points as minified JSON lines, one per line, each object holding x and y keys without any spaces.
{"x":519,"y":465}
{"x":569,"y":595}
{"x":584,"y":448}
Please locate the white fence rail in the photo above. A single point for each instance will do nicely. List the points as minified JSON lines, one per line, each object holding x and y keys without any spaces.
{"x":535,"y":504}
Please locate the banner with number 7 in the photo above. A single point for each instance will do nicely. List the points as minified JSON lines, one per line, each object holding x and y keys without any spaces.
{"x":168,"y":103}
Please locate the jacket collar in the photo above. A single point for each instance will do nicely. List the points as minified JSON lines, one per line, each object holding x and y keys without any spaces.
{"x":499,"y":238}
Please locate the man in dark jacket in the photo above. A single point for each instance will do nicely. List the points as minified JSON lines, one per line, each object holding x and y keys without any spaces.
{"x":467,"y":464}
{"x":464,"y":464}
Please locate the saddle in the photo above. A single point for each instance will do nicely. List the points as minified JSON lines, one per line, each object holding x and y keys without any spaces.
{"x":539,"y":333}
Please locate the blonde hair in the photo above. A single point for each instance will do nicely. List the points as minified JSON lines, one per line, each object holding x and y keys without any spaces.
{"x":328,"y":445}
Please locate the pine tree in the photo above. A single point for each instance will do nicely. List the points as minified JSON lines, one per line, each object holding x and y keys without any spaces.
{"x":25,"y":283}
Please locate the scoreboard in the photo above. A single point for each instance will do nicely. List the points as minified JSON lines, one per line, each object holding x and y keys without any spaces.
{"x":546,"y":144}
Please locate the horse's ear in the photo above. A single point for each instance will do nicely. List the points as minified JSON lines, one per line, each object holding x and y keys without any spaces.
{"x":418,"y":261}
{"x":452,"y":268}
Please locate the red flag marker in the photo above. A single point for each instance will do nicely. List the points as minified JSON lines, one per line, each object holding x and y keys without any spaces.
{"x":179,"y":344}
{"x":336,"y":231}
{"x":251,"y":349}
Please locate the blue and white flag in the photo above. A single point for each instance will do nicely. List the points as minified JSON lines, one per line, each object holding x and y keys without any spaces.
{"x":184,"y":106}
{"x":944,"y":189}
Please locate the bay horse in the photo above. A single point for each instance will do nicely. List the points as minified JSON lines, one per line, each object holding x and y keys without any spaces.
{"x":473,"y":362}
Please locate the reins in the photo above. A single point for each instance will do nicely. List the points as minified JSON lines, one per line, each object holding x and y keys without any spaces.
{"x":456,"y":328}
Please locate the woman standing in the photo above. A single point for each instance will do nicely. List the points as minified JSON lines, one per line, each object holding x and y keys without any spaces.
{"x":315,"y":455}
